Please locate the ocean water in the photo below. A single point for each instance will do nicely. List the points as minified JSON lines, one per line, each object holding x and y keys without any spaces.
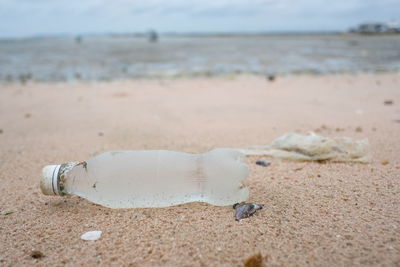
{"x":125,"y":57}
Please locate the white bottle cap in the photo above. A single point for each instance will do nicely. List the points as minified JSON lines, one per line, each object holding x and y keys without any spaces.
{"x":49,"y":184}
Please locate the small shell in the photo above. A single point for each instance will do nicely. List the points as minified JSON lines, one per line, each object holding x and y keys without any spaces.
{"x":245,"y":210}
{"x":91,"y":236}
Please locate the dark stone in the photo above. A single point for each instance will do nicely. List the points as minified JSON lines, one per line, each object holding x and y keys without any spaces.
{"x":263,"y":163}
{"x":245,"y":210}
{"x":36,"y":254}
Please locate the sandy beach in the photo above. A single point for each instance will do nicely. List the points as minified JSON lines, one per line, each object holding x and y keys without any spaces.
{"x":315,"y":214}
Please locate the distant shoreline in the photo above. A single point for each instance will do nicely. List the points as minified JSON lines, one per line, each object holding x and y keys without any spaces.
{"x":228,"y":76}
{"x":105,"y":58}
{"x":193,"y":35}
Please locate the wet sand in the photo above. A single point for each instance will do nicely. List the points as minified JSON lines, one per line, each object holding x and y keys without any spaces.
{"x":315,"y":214}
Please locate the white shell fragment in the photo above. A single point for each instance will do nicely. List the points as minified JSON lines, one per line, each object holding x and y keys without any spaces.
{"x":91,"y":236}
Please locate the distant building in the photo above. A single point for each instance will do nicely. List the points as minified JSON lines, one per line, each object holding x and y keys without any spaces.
{"x":394,"y":26}
{"x":376,"y":28}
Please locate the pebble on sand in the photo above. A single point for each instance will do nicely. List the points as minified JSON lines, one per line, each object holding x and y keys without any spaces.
{"x":136,"y":215}
{"x":263,"y":163}
{"x":36,"y":254}
{"x":388,"y":102}
{"x":271,"y":78}
{"x":245,"y":210}
{"x":255,"y":260}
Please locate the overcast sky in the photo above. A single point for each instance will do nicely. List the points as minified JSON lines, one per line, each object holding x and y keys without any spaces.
{"x":19,"y":18}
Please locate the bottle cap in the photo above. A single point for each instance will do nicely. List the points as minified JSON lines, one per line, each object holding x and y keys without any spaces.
{"x":49,"y":184}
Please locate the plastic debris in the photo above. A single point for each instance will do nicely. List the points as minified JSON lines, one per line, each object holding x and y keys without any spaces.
{"x":314,"y":147}
{"x":153,"y":178}
{"x":91,"y":236}
{"x":245,"y":210}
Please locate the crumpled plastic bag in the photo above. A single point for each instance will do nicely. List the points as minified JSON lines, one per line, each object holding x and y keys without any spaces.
{"x":314,"y":147}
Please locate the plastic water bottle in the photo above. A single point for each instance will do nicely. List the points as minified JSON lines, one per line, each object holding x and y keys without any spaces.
{"x":155,"y":178}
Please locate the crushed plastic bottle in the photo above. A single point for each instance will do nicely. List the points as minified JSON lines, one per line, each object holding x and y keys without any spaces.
{"x":155,"y":178}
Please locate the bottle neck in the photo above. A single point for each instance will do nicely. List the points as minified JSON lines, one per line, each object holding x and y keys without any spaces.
{"x":61,"y":181}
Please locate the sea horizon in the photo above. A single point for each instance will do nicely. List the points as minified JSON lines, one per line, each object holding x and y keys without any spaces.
{"x":132,"y":56}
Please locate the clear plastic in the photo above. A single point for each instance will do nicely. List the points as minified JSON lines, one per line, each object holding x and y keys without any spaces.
{"x":314,"y":147}
{"x":159,"y":178}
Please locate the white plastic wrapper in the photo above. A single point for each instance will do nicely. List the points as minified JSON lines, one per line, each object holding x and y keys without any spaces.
{"x":314,"y":147}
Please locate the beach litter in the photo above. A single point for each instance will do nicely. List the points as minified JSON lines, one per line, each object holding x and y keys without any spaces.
{"x":314,"y":147}
{"x":91,"y":235}
{"x":245,"y":210}
{"x":214,"y":177}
